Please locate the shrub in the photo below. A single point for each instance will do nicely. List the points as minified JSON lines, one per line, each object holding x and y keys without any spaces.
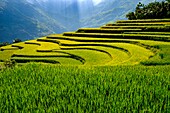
{"x":131,"y":16}
{"x":9,"y":63}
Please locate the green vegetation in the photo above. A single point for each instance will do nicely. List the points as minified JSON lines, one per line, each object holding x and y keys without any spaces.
{"x":47,"y":88}
{"x":162,"y":57}
{"x":151,"y":11}
{"x":119,"y":67}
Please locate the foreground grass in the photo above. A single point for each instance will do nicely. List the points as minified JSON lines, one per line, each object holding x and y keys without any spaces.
{"x":47,"y":88}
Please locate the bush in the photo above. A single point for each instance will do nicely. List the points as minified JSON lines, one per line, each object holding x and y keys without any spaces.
{"x":9,"y":63}
{"x":131,"y":16}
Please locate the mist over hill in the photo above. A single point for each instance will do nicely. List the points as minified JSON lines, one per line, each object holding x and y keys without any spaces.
{"x":28,"y":19}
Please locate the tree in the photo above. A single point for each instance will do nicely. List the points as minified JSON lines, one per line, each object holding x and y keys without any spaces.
{"x":151,"y":11}
{"x":168,"y":1}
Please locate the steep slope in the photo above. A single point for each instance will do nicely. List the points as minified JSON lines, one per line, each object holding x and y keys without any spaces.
{"x":111,"y":10}
{"x":20,"y":19}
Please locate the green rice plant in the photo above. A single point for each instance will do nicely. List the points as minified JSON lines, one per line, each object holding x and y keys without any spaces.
{"x":144,"y":21}
{"x":49,"y":88}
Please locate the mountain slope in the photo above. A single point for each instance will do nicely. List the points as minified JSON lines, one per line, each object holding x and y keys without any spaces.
{"x":111,"y":10}
{"x":27,"y":19}
{"x":19,"y":19}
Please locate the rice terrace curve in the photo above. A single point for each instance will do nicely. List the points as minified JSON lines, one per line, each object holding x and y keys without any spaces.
{"x":126,"y":42}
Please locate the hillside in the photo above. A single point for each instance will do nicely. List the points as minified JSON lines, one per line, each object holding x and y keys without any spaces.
{"x":126,"y":42}
{"x":28,"y":19}
{"x":19,"y":19}
{"x":111,"y":10}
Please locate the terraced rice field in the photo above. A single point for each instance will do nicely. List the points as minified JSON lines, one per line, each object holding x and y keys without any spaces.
{"x":96,"y":70}
{"x":126,"y":42}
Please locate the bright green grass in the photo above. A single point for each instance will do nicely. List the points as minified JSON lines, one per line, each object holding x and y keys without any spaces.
{"x":161,"y":58}
{"x":47,"y":88}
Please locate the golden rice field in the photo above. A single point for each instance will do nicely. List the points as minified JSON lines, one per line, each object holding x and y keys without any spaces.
{"x":125,"y":42}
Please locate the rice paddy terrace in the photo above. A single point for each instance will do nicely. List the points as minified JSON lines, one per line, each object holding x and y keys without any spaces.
{"x":125,"y":42}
